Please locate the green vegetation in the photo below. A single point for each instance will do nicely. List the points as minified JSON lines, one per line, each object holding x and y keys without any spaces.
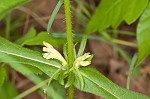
{"x":49,"y":73}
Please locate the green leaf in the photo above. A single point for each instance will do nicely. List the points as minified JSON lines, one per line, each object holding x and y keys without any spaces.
{"x":30,"y":34}
{"x":143,"y":35}
{"x":2,"y":75}
{"x":71,"y":80}
{"x":61,"y":78}
{"x":58,"y":91}
{"x":26,"y":56}
{"x":78,"y":74}
{"x":17,"y":56}
{"x":44,"y":36}
{"x":28,"y":71}
{"x":8,"y":91}
{"x":52,"y":91}
{"x":24,"y":69}
{"x":34,"y":69}
{"x":7,"y":5}
{"x":113,"y":12}
{"x":97,"y":84}
{"x":134,"y":9}
{"x":82,"y":45}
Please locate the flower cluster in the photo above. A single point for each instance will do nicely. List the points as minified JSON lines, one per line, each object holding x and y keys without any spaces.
{"x":83,"y":60}
{"x":52,"y":53}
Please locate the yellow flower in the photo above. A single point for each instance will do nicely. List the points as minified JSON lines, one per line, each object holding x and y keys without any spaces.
{"x":83,"y":60}
{"x":52,"y":53}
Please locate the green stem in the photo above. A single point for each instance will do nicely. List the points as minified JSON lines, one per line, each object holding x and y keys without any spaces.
{"x":69,"y":32}
{"x":70,"y":92}
{"x":69,"y":42}
{"x":131,"y":69}
{"x":8,"y":19}
{"x":54,"y":76}
{"x":122,"y":32}
{"x":117,"y":41}
{"x":31,"y":89}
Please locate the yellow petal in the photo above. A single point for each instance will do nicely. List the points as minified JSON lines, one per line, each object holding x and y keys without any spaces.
{"x":84,"y":57}
{"x":52,"y":53}
{"x":47,"y":45}
{"x":49,"y":56}
{"x":85,"y":63}
{"x":80,"y":61}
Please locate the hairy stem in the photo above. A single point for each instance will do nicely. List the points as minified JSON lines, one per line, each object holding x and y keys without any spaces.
{"x":69,"y":42}
{"x":69,"y":32}
{"x":70,"y":92}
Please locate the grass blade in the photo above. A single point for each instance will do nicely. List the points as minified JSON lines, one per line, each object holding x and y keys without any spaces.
{"x":52,"y":17}
{"x":133,"y":63}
